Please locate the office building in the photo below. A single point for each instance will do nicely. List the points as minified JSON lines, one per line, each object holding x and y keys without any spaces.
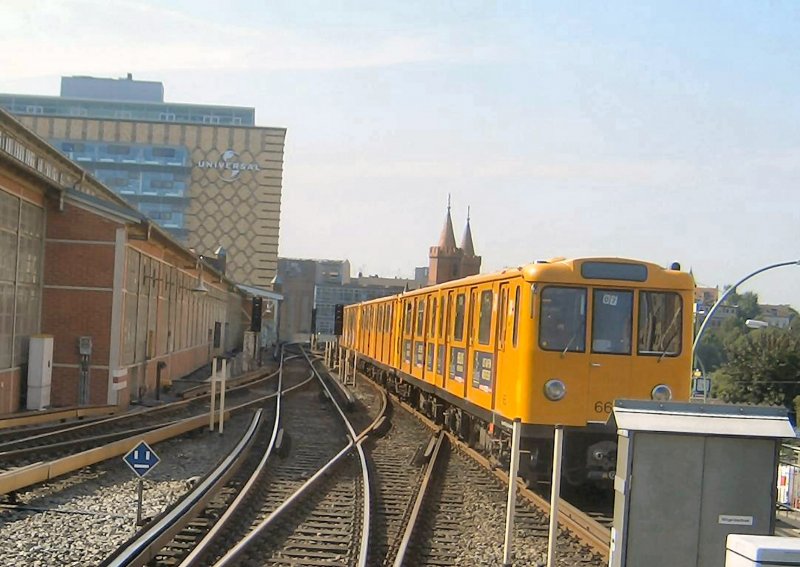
{"x":205,"y":173}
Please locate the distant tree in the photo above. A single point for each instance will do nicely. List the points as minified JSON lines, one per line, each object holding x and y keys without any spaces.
{"x":713,"y":349}
{"x":762,"y":367}
{"x":746,"y":304}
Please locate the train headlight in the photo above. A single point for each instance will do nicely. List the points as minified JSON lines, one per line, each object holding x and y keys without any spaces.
{"x":661,"y":393}
{"x":555,"y":389}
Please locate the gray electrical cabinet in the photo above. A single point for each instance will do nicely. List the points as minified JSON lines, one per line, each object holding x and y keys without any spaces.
{"x":690,"y":474}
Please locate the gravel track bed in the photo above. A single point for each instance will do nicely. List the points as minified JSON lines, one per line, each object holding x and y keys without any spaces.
{"x":105,"y":496}
{"x":470,"y":511}
{"x":467,"y":523}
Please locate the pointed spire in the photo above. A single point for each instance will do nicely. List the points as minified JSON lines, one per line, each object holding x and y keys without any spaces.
{"x":466,"y":241}
{"x":447,"y":240}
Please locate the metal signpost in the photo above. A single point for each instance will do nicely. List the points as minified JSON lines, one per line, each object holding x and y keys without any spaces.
{"x":141,"y":459}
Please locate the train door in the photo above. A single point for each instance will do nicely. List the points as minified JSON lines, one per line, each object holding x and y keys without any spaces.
{"x":419,"y":338}
{"x":441,"y":341}
{"x":373,"y":331}
{"x":430,"y":347}
{"x":481,"y":375}
{"x":379,"y":332}
{"x":457,"y":349}
{"x":610,"y":349}
{"x":502,"y":370}
{"x":407,"y":347}
{"x":387,"y":333}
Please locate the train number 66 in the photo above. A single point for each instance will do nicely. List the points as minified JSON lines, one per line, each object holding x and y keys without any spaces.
{"x":603,"y":407}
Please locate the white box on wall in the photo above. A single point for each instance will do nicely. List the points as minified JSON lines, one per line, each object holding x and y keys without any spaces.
{"x":40,"y":371}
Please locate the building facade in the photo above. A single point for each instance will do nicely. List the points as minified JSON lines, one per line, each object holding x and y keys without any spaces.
{"x":119,"y":296}
{"x":312,"y":288}
{"x":205,"y":173}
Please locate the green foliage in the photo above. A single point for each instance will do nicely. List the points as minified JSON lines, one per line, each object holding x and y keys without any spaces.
{"x":762,"y":367}
{"x":713,"y":349}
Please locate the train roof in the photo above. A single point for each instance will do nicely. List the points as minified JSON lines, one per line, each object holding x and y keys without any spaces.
{"x":569,"y":271}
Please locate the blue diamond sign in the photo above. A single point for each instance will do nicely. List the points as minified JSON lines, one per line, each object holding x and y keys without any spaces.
{"x":141,"y":459}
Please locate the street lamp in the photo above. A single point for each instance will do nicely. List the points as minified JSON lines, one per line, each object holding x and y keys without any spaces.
{"x":756,"y":324}
{"x":725,"y":295}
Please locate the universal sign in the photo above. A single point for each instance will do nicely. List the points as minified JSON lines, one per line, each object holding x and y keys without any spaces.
{"x":229,"y":167}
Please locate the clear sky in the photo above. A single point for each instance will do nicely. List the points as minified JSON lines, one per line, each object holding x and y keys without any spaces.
{"x":656,"y":130}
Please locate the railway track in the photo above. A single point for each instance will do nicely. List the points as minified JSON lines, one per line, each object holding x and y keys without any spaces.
{"x":468,"y":496}
{"x":308,"y":445}
{"x":20,"y":448}
{"x":319,"y":517}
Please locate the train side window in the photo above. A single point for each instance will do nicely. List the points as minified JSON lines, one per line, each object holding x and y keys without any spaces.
{"x":420,"y":318}
{"x":458,"y":327}
{"x":612,"y":318}
{"x":389,"y":318}
{"x":562,"y":326}
{"x":516,"y":316}
{"x":660,"y":323}
{"x":442,"y":311}
{"x":485,"y":317}
{"x":501,"y":317}
{"x":408,"y":318}
{"x":432,"y":320}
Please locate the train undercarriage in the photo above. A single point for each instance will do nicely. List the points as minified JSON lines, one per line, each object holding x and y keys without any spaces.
{"x":589,"y":456}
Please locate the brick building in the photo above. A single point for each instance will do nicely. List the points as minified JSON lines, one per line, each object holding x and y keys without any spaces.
{"x":450,"y":262}
{"x":77,"y":261}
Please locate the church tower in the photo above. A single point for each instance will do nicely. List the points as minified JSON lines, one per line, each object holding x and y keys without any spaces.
{"x":448,"y":262}
{"x":470,"y":263}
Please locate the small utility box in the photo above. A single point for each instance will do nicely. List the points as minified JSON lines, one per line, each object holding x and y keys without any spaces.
{"x":762,"y":551}
{"x":40,"y":371}
{"x":690,"y":474}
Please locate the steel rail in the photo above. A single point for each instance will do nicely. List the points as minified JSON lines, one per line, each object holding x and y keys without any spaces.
{"x":125,"y":416}
{"x":201,"y":546}
{"x":231,"y":558}
{"x":591,"y":532}
{"x":413,"y":518}
{"x":22,"y":477}
{"x":23,"y":419}
{"x":145,"y":544}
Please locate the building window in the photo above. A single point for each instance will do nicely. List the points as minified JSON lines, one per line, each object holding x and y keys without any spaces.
{"x":163,"y":152}
{"x":21,"y":236}
{"x":122,"y":114}
{"x":118,"y":150}
{"x":167,"y":116}
{"x":210,"y":119}
{"x":34,"y":109}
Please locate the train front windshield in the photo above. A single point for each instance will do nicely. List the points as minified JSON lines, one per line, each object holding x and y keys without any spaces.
{"x":562,"y":324}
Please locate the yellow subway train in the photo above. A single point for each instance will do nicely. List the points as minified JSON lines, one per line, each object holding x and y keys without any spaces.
{"x":553,"y":342}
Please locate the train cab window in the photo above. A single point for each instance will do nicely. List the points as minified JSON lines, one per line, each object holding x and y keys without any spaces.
{"x":562,"y":326}
{"x":660,"y":323}
{"x":485,"y":317}
{"x":612,"y":315}
{"x":458,"y":327}
{"x":420,"y":317}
